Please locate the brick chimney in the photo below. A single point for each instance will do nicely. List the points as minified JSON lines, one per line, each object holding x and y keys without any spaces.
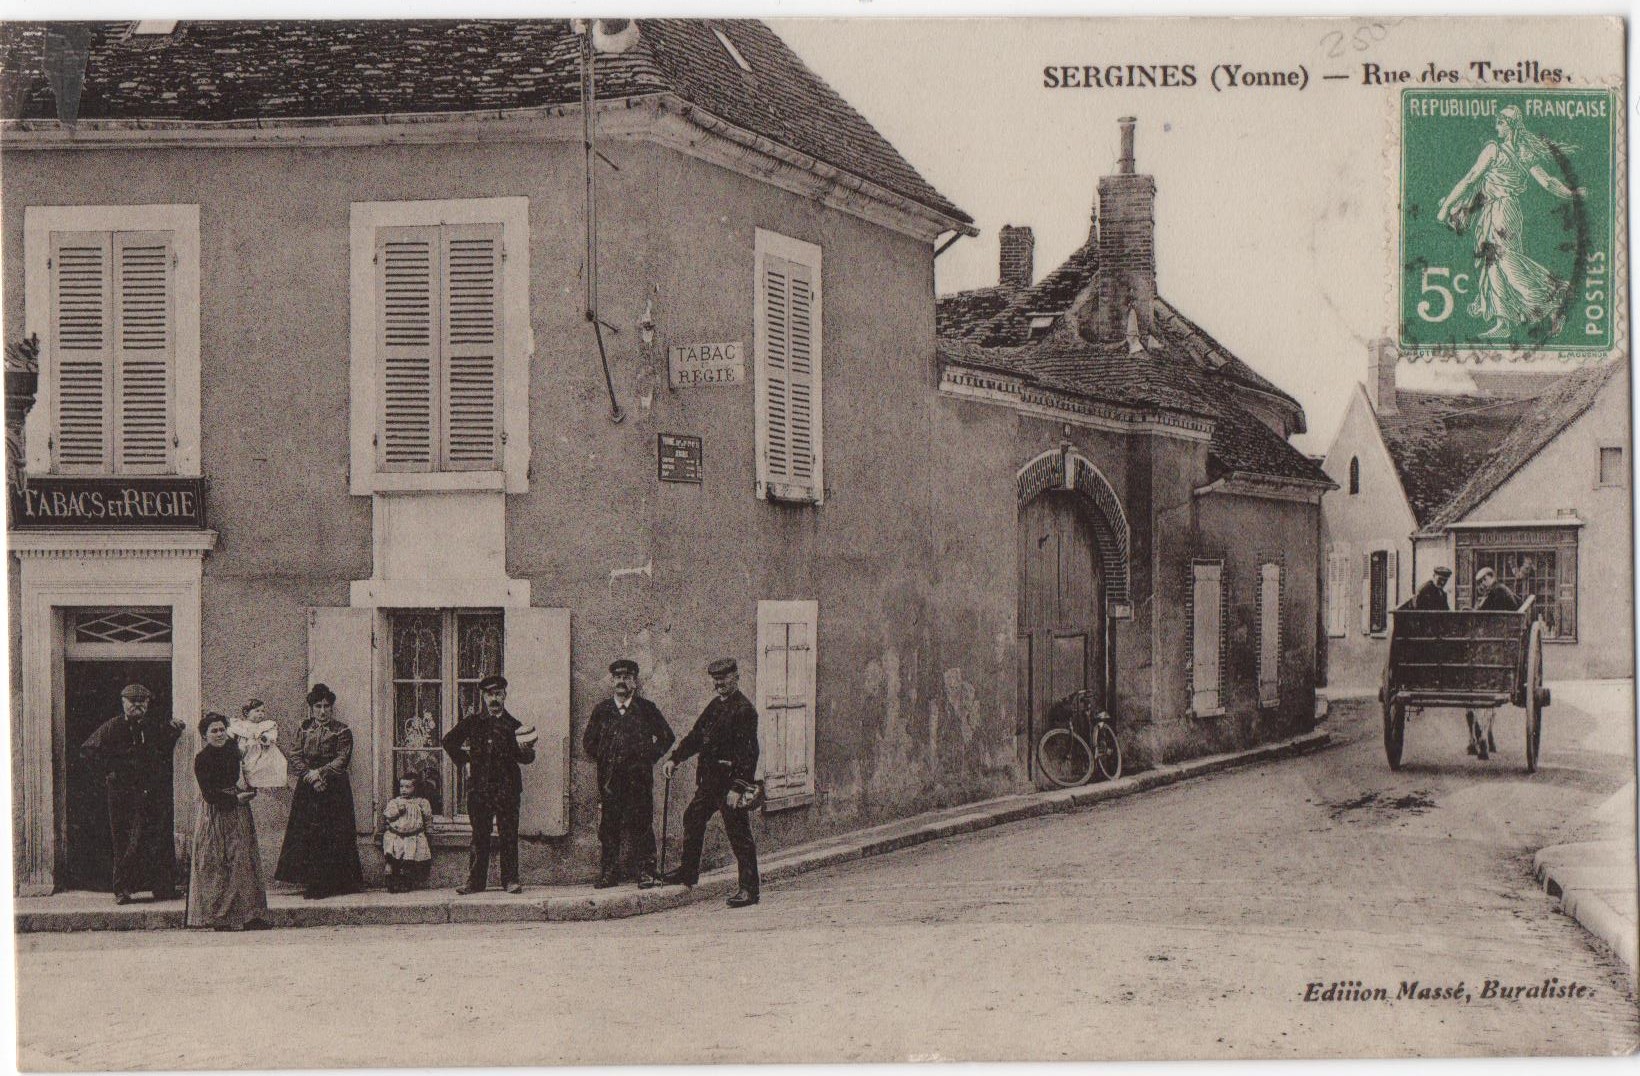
{"x":1127,"y":246}
{"x":1018,"y":259}
{"x":1382,"y":355}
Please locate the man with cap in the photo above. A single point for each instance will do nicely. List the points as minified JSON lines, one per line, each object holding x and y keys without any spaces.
{"x":1432,"y":595}
{"x":132,"y":753}
{"x":491,"y":743}
{"x":725,"y":738}
{"x":1493,"y":595}
{"x":626,"y":736}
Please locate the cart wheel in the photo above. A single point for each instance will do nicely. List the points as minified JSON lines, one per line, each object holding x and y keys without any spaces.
{"x":1534,"y":695}
{"x":1395,"y":722}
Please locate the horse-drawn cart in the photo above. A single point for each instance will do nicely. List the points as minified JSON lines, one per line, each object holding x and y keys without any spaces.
{"x":1472,"y":660}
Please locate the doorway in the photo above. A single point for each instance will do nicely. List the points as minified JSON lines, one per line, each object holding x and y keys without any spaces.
{"x":1061,"y":609}
{"x":104,"y":650}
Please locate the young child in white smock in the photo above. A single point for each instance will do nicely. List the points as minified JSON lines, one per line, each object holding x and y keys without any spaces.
{"x":404,"y":843}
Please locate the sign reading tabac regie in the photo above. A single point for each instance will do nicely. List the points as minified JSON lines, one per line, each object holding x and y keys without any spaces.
{"x":681,"y":457}
{"x":706,"y":364}
{"x":1508,"y":219}
{"x":108,"y":503}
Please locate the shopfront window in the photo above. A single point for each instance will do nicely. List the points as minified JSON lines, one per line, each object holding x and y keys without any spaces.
{"x":438,"y":658}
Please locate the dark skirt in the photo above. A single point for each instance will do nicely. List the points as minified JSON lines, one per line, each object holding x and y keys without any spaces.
{"x":225,"y":882}
{"x":320,"y":852}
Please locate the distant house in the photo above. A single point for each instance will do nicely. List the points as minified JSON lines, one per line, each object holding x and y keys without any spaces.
{"x":1527,"y":475}
{"x":1168,"y":533}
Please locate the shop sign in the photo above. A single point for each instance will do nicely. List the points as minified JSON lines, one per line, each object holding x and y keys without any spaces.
{"x":707,"y":364}
{"x":681,"y":458}
{"x":126,"y":502}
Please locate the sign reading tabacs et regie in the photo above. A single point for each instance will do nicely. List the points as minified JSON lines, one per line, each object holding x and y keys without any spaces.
{"x":54,"y":502}
{"x":706,"y":364}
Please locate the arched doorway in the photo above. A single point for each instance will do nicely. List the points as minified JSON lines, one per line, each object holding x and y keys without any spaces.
{"x":1062,"y":625}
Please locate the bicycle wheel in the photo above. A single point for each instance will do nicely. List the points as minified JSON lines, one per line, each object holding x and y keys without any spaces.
{"x":1064,"y":757}
{"x":1107,"y":753}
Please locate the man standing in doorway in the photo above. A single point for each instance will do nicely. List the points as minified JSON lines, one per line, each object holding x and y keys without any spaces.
{"x":725,"y":738}
{"x":133,"y":753}
{"x":492,"y":743}
{"x":1432,"y":595}
{"x":626,"y":736}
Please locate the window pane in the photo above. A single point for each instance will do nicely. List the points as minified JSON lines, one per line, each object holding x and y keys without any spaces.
{"x":1529,"y":573}
{"x":415,"y":641}
{"x":1611,"y":467}
{"x":427,"y":767}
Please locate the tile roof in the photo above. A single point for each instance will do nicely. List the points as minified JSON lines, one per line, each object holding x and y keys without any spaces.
{"x":1436,"y":440}
{"x":962,"y":313}
{"x":1544,"y":419}
{"x":302,"y":69}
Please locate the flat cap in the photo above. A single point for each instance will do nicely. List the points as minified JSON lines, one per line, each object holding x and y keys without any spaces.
{"x":493,"y":683}
{"x":1443,"y":570}
{"x":722,"y":667}
{"x":135,"y":691}
{"x":620,"y":665}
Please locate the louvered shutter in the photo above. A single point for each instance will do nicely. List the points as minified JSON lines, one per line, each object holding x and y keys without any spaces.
{"x":82,"y":325}
{"x":408,"y":273}
{"x":1366,"y":593}
{"x":786,"y":697}
{"x":791,"y":380}
{"x":1392,"y":583}
{"x":471,"y":400}
{"x":1205,"y":621}
{"x":145,"y":345}
{"x":1338,"y":566}
{"x":1269,"y":635}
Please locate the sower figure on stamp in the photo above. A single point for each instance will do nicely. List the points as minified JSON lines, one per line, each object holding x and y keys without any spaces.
{"x":1432,"y":595}
{"x":132,"y":752}
{"x":725,"y":738}
{"x":492,"y":743}
{"x":626,"y":736}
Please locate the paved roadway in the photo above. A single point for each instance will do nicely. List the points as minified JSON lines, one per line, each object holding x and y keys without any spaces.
{"x":1186,"y":922}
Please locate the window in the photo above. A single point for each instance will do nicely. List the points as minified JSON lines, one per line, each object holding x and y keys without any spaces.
{"x":785,"y":699}
{"x":437,"y":659}
{"x":787,"y":323}
{"x":1338,"y":590}
{"x":1269,"y":635}
{"x":1355,"y":475}
{"x":441,"y":345}
{"x":1379,"y":587}
{"x":1534,"y":562}
{"x":113,"y":293}
{"x":1611,"y":467}
{"x":1206,"y":638}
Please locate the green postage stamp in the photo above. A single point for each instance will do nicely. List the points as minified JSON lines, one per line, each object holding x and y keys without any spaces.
{"x":1507,"y":219}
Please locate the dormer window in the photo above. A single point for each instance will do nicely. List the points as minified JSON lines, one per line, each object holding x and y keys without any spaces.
{"x":154,"y":27}
{"x":1040,"y":324}
{"x":734,"y":53}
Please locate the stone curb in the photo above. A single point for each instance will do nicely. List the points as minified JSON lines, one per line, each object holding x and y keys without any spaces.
{"x":625,"y":902}
{"x":1592,"y":894}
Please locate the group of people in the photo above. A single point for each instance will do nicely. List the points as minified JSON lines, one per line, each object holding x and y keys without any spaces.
{"x":1491,"y":595}
{"x":626,"y":736}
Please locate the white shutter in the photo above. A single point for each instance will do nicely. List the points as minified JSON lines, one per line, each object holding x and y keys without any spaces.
{"x":472,"y":346}
{"x":1366,"y":593}
{"x":82,"y":327}
{"x":1392,"y":596}
{"x":536,"y":665}
{"x":1338,"y":587}
{"x":1269,"y":635}
{"x":789,"y":380}
{"x":1207,"y":583}
{"x":407,"y":276}
{"x":341,"y":655}
{"x":145,"y":346}
{"x":786,"y":635}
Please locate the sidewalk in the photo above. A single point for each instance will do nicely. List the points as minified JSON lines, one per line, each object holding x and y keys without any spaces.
{"x":96,"y":911}
{"x":1595,"y":880}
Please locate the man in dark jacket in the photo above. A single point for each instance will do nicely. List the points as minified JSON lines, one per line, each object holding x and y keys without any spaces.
{"x":133,"y":753}
{"x":725,"y":738}
{"x":1493,"y":595}
{"x":1432,"y":595}
{"x":491,"y":743}
{"x":626,"y":736}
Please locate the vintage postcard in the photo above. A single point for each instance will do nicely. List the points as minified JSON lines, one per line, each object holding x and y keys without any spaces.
{"x":617,"y":541}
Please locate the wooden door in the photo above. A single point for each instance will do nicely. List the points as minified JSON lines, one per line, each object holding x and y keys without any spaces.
{"x":1061,"y":607}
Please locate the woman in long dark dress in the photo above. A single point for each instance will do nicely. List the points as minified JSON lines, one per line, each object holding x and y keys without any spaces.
{"x":320,"y":853}
{"x":225,"y":888}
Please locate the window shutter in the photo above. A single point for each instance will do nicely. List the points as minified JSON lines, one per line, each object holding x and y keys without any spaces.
{"x":1392,"y":580}
{"x":1366,"y":593}
{"x":472,"y":344}
{"x":407,"y":276}
{"x":82,"y":326}
{"x":1337,"y":589}
{"x":1205,"y":621}
{"x":145,"y":342}
{"x":790,"y":358}
{"x":341,"y":655}
{"x":537,"y":664}
{"x":1269,"y":635}
{"x":786,"y":697}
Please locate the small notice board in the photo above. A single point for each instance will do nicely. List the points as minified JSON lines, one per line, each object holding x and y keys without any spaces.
{"x":681,"y":458}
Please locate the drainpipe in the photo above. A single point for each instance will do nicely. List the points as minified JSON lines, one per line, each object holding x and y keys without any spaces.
{"x":588,"y":129}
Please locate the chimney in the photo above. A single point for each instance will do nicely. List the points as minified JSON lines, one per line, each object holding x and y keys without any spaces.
{"x":1127,"y":246}
{"x":1382,"y":356}
{"x":1018,"y":259}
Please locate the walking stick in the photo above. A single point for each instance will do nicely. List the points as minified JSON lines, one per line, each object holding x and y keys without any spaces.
{"x":666,"y":815}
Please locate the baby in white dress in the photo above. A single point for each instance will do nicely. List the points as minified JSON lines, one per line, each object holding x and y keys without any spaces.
{"x":261,"y":762}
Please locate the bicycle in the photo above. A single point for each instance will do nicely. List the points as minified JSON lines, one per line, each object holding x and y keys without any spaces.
{"x":1070,"y":753}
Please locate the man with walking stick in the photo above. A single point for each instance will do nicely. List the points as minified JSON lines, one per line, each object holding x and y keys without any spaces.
{"x":725,"y":738}
{"x":626,"y":736}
